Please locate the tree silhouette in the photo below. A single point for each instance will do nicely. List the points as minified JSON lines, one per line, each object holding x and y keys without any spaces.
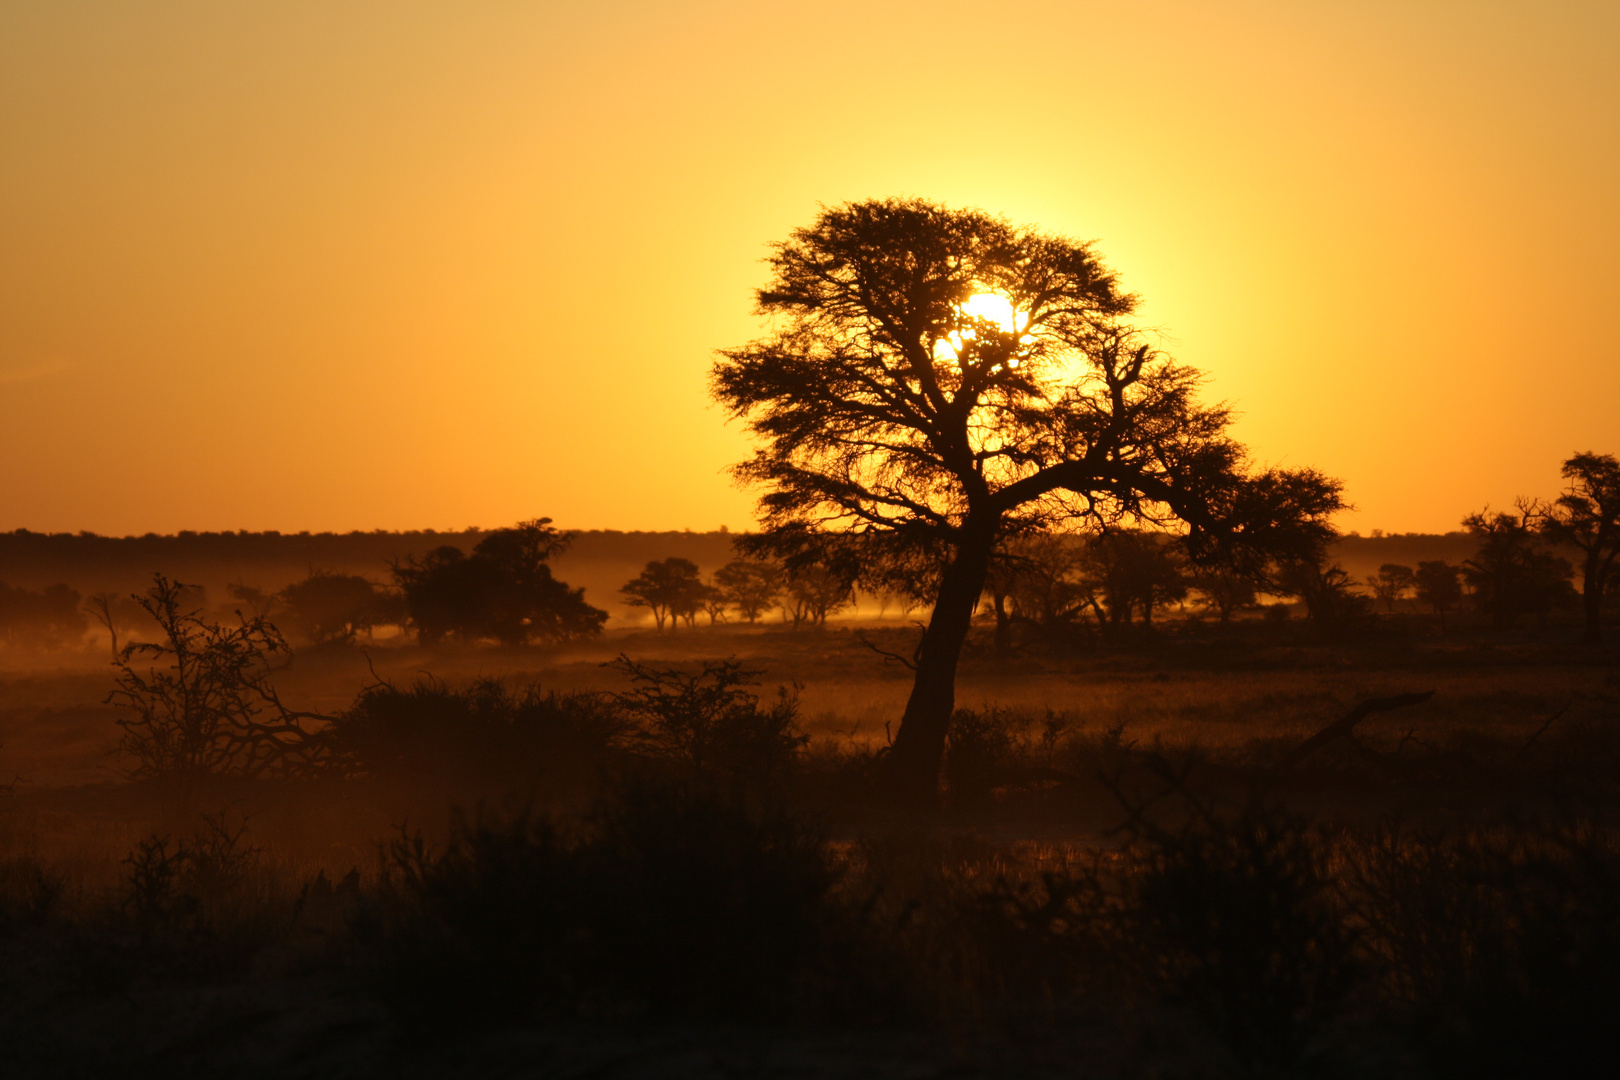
{"x":1391,"y":583}
{"x":671,"y":588}
{"x":1511,"y":574}
{"x":50,"y":618}
{"x":816,"y":590}
{"x":328,"y":606}
{"x":1439,"y":584}
{"x":205,"y":703}
{"x":504,"y":590}
{"x":1224,"y":590}
{"x":1587,"y":517}
{"x":891,"y":397}
{"x":1132,"y":571}
{"x":749,"y":585}
{"x":1326,"y":588}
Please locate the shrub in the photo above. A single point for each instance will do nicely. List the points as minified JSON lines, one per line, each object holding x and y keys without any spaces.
{"x":980,"y":746}
{"x":482,"y":736}
{"x":1500,"y":947}
{"x":709,"y":722}
{"x":665,"y":901}
{"x":207,"y":705}
{"x":29,"y":893}
{"x":1234,"y":919}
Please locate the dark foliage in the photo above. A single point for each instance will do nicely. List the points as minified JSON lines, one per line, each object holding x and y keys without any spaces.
{"x":503,"y":591}
{"x":673,"y":589}
{"x":885,"y":403}
{"x":749,"y":585}
{"x":1500,"y":947}
{"x":1587,"y":518}
{"x":664,"y":902}
{"x":206,"y":705}
{"x":1439,"y":585}
{"x":711,"y":724}
{"x":329,"y":607}
{"x":1511,"y":574}
{"x":484,"y":737}
{"x":49,"y":618}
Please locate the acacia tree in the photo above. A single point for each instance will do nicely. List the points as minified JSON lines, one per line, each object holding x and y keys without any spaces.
{"x":504,"y":590}
{"x":672,"y":588}
{"x":1511,"y":574}
{"x":1391,"y":583}
{"x":750,"y":585}
{"x":946,"y":377}
{"x":1224,"y":591}
{"x":1587,"y":516}
{"x":1438,"y":584}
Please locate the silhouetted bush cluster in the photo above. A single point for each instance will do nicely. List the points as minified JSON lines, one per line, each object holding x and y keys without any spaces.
{"x":484,"y":736}
{"x":703,"y":725}
{"x":665,"y":900}
{"x":47,"y":618}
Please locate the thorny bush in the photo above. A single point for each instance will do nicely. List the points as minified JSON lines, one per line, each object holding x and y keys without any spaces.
{"x":206,"y":705}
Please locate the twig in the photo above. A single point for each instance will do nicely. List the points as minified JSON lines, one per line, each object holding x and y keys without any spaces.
{"x":1542,"y":729}
{"x":911,"y":664}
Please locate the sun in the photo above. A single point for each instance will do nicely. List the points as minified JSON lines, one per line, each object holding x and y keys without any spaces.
{"x":994,"y":308}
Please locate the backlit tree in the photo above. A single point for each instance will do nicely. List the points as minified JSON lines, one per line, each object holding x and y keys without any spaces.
{"x":949,"y":378}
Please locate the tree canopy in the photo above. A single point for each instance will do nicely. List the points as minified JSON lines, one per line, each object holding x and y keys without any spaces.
{"x":946,"y":377}
{"x":503,"y":590}
{"x":1587,"y":517}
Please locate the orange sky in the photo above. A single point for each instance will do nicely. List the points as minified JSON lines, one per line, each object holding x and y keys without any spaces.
{"x":392,"y":264}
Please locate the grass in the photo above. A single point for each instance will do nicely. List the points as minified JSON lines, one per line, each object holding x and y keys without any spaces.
{"x":1118,"y":865}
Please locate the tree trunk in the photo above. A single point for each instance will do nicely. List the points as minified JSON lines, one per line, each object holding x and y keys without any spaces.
{"x":1592,"y":598}
{"x":919,"y":746}
{"x":1003,"y":625}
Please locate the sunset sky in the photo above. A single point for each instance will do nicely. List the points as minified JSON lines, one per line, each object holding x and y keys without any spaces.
{"x":353,"y":265}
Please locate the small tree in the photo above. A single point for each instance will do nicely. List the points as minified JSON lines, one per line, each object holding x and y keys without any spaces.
{"x":1129,"y":571}
{"x":50,"y":618}
{"x":749,"y":585}
{"x":714,"y":602}
{"x":1439,"y":584}
{"x":1391,"y":583}
{"x":671,"y":588}
{"x":330,"y":607}
{"x":710,"y":721}
{"x":816,"y":590}
{"x":1038,"y":581}
{"x":1326,"y":588}
{"x":1511,"y":575}
{"x":1224,"y":590}
{"x":1587,"y":517}
{"x":206,"y":705}
{"x":504,"y":590}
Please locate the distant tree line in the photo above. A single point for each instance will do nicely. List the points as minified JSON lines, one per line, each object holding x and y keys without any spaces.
{"x":1041,"y":587}
{"x":44,"y":618}
{"x":1050,"y":586}
{"x":675,"y":592}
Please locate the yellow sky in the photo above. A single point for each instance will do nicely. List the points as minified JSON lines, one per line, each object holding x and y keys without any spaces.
{"x":338,"y":265}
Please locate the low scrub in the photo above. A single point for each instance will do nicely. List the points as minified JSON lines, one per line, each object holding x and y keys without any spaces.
{"x":663,"y":901}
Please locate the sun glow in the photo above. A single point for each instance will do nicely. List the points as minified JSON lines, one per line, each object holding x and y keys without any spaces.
{"x":992,"y":308}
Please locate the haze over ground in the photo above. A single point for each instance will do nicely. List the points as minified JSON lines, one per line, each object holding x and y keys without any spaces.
{"x":368,"y":265}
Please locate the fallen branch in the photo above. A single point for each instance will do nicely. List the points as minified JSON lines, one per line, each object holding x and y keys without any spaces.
{"x":1344,"y":728}
{"x":1542,"y":730}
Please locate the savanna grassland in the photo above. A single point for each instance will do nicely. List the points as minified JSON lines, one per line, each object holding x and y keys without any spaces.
{"x":512,"y":864}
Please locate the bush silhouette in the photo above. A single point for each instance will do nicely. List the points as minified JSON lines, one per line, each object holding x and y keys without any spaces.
{"x":484,"y":736}
{"x":664,"y":901}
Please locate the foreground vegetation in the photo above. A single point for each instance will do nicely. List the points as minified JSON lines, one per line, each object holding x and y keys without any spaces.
{"x":1144,"y":861}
